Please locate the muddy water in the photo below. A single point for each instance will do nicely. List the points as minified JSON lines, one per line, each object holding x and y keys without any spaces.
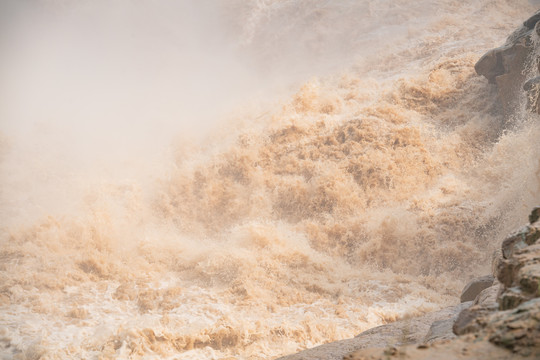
{"x":367,"y":175}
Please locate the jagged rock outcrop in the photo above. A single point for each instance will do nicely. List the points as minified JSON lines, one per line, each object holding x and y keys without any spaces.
{"x":519,"y":272}
{"x":509,"y":66}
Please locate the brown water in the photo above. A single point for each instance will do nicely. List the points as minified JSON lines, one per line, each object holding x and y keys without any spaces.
{"x":333,"y":166}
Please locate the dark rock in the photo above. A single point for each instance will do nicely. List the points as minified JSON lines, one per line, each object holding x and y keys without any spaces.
{"x":531,"y":22}
{"x":471,"y":319}
{"x":519,"y":274}
{"x":528,"y":276}
{"x":509,"y":84}
{"x":475,"y":286}
{"x":533,"y":234}
{"x":535,"y":215}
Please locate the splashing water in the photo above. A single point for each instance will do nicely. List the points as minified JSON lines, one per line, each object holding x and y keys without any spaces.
{"x":366,"y":176}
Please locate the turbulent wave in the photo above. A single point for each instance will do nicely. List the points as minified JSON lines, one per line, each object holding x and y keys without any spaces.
{"x":370,"y":183}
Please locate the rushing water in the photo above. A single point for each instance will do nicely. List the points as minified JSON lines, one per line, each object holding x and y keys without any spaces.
{"x":245,"y":179}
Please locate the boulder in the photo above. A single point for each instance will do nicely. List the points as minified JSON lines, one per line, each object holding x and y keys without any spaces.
{"x":475,"y":286}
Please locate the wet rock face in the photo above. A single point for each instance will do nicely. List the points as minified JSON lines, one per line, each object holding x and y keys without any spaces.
{"x":521,"y":275}
{"x":519,"y":272}
{"x":504,"y":66}
{"x":517,"y":329}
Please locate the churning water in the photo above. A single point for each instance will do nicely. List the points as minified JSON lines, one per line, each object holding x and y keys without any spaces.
{"x":245,"y":179}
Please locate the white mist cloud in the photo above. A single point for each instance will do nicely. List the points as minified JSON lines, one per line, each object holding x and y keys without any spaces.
{"x":90,"y":88}
{"x":106,"y":72}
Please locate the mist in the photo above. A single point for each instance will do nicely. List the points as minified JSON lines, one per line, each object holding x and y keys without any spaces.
{"x":112,"y":78}
{"x":94,"y":90}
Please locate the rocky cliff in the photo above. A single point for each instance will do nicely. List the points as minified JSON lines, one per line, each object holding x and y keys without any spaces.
{"x":514,"y":66}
